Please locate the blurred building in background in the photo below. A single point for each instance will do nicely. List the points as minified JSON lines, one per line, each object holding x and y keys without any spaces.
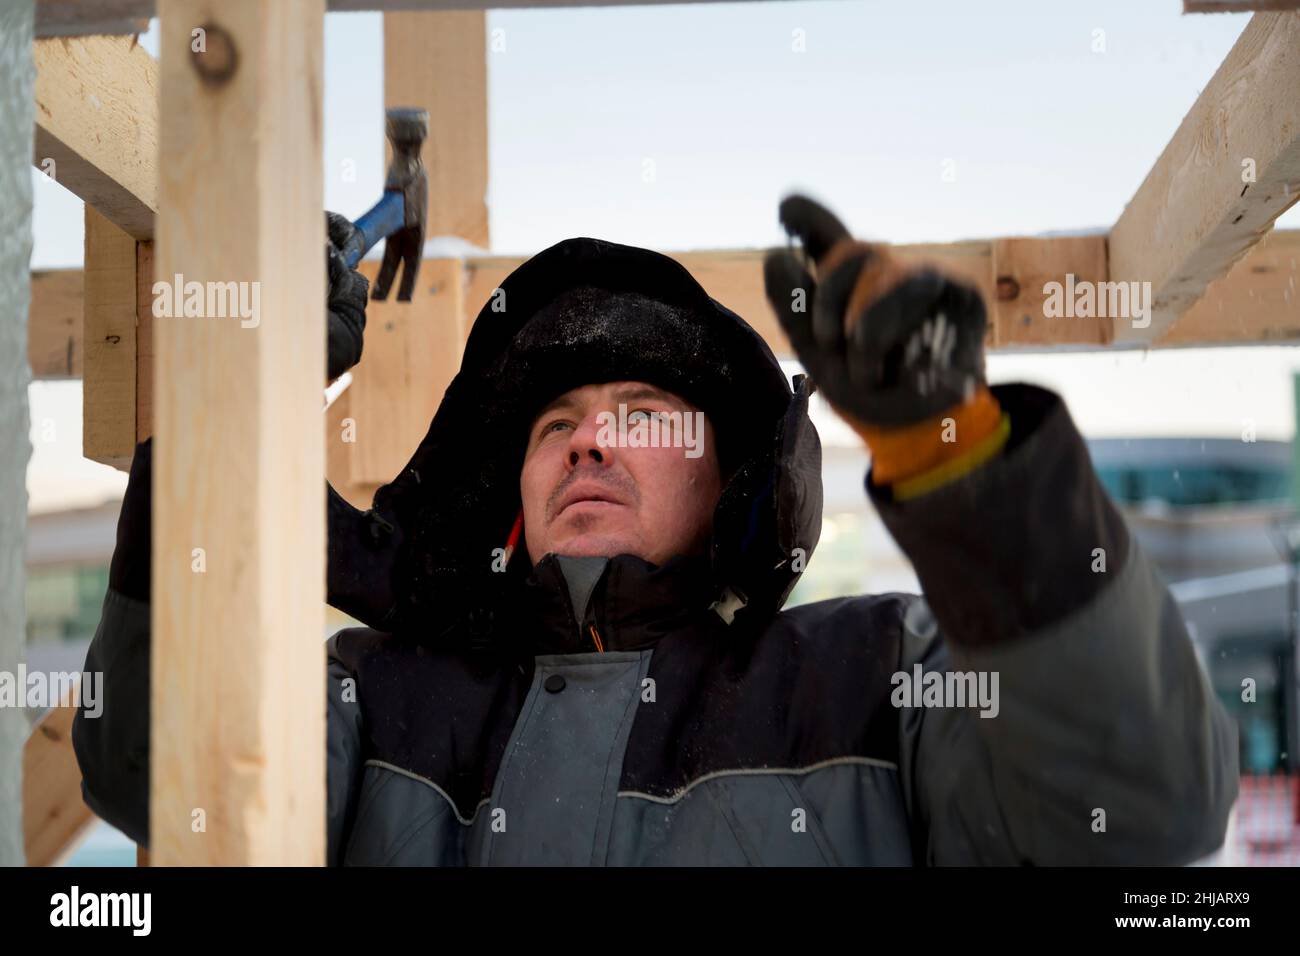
{"x":1212,"y":514}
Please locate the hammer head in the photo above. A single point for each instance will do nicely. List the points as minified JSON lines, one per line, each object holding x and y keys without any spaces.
{"x":407,"y":130}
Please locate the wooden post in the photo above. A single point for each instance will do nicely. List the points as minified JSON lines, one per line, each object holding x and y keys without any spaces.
{"x":437,"y":60}
{"x":16,"y":116}
{"x":434,"y":61}
{"x":238,"y":758}
{"x":109,"y":382}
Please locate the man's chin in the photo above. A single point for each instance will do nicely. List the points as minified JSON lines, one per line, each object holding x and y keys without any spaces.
{"x":599,"y":546}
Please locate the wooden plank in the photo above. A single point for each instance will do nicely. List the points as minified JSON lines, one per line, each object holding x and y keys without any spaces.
{"x":1197,"y":213}
{"x":1026,"y":271}
{"x":734,"y":277}
{"x":97,"y":119}
{"x":55,"y":816}
{"x":412,"y":351}
{"x":239,"y":764}
{"x":83,"y":17}
{"x":1255,"y":302}
{"x":340,"y":433}
{"x":54,"y":326}
{"x":1258,"y":301}
{"x":108,"y":393}
{"x":438,"y":62}
{"x":434,"y":61}
{"x":143,"y":340}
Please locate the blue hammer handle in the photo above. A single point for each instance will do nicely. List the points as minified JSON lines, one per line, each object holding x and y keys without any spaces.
{"x":384,"y":218}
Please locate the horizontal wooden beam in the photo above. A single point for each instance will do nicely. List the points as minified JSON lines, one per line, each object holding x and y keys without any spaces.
{"x":1230,"y":170}
{"x":1258,"y":301}
{"x":1025,"y":270}
{"x":97,"y":125}
{"x":735,"y":278}
{"x":84,"y":17}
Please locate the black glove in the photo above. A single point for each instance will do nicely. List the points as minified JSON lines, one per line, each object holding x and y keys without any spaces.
{"x":915,"y":346}
{"x":346,"y":298}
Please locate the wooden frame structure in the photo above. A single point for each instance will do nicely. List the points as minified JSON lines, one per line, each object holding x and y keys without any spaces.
{"x":1196,"y":230}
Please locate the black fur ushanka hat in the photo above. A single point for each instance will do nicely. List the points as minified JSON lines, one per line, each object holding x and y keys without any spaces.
{"x":583,"y":312}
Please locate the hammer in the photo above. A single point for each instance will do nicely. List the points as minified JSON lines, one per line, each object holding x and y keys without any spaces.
{"x":400,"y":215}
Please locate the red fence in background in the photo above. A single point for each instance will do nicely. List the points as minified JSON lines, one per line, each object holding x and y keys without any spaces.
{"x":1266,"y":828}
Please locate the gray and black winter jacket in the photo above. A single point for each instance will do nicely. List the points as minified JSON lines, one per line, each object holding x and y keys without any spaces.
{"x":612,"y":712}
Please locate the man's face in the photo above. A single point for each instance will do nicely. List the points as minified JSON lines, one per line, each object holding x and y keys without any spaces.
{"x":588,"y":492}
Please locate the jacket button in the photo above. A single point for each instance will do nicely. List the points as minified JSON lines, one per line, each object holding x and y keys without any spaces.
{"x":554,"y":684}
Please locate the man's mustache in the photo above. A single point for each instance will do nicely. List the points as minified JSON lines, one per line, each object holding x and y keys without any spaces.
{"x":620,"y":484}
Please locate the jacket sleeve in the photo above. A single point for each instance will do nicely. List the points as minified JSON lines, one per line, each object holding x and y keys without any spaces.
{"x":112,"y":747}
{"x":344,"y":758}
{"x":1104,"y":742}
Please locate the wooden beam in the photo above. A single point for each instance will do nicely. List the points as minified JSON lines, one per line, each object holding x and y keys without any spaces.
{"x":54,"y":326}
{"x":1258,"y":301}
{"x":1025,"y":270}
{"x":83,"y":17}
{"x":108,"y":397}
{"x":97,"y":120}
{"x":735,"y":278}
{"x":1230,"y":170}
{"x":340,"y":434}
{"x":144,"y":279}
{"x":238,"y":766}
{"x":438,"y":62}
{"x":55,"y":816}
{"x":412,"y":351}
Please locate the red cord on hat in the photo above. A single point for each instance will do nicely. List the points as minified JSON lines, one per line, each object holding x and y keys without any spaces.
{"x":514,"y":535}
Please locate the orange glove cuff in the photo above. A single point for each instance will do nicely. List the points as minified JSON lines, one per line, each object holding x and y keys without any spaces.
{"x":900,"y":454}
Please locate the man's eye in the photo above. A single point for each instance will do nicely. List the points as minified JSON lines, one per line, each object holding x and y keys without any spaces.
{"x":644,"y":414}
{"x":551,"y":426}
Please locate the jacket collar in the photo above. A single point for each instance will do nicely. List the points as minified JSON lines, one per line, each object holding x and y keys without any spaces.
{"x":630,"y":603}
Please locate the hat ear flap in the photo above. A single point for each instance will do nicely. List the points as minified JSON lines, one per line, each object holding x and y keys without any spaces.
{"x":768,"y":519}
{"x":799,"y":483}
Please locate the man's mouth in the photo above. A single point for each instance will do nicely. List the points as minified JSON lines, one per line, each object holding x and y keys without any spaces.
{"x":587,"y":495}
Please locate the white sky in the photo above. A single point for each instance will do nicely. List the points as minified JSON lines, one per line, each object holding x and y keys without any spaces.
{"x":1043,"y":135}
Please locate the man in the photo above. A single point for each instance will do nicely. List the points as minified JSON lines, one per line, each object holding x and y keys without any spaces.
{"x":578,"y":653}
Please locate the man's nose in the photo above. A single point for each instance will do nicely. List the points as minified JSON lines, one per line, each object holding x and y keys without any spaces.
{"x":586,"y":445}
